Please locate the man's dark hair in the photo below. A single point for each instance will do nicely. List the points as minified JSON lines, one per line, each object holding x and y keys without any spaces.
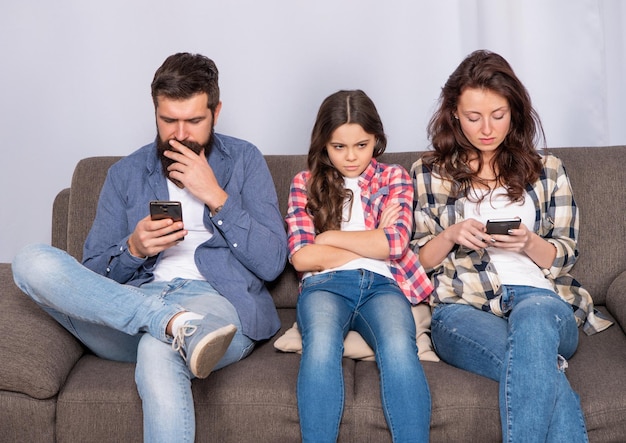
{"x":183,"y":75}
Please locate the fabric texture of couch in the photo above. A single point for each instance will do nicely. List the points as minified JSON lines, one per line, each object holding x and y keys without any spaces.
{"x":53,"y":389}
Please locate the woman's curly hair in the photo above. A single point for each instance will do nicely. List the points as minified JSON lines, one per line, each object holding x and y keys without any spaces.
{"x":516,"y":160}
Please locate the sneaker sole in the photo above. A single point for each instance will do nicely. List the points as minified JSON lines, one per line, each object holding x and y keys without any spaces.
{"x":210,"y":350}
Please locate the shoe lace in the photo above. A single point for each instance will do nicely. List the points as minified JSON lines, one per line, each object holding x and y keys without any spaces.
{"x":178,"y":344}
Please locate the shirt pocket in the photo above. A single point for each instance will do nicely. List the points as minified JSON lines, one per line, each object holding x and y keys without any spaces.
{"x":377,"y":202}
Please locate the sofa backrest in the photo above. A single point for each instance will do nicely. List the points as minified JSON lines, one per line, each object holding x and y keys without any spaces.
{"x":596,"y":175}
{"x":87,"y":182}
{"x":599,"y":182}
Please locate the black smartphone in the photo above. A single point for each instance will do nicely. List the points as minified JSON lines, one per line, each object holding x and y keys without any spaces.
{"x":502,"y":225}
{"x":160,"y":209}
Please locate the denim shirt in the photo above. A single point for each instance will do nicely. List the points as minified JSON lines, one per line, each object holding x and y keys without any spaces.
{"x":248,"y":246}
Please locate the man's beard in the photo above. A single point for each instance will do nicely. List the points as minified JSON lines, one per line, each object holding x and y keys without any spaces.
{"x":194,"y":146}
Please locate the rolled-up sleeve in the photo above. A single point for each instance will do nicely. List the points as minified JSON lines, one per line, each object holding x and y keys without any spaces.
{"x":300,"y":227}
{"x":400,"y":192}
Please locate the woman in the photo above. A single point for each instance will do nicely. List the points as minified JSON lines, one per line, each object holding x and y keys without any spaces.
{"x":505,"y":306}
{"x":349,"y":221}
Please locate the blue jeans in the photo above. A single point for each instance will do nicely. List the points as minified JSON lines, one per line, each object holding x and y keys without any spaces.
{"x":126,"y":323}
{"x":525,"y":353}
{"x":330,"y":305}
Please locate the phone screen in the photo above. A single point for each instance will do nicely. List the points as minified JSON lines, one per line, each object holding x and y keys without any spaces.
{"x":160,"y":209}
{"x":502,"y":226}
{"x":166,"y":209}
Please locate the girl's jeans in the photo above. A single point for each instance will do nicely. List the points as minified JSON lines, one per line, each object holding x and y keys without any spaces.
{"x":525,"y":352}
{"x":330,"y":305}
{"x":126,"y":323}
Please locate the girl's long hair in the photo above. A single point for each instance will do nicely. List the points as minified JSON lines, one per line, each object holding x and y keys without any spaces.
{"x":325,"y":188}
{"x":517,"y":161}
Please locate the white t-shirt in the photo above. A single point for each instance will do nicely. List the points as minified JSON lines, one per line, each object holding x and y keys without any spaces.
{"x":354,"y":220}
{"x":178,"y":261}
{"x":514,"y":268}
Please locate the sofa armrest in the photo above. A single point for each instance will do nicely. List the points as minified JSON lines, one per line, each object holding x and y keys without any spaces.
{"x":616,"y":299}
{"x":37,"y":354}
{"x":60,"y":209}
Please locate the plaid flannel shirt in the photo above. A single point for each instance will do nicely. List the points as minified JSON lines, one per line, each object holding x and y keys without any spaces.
{"x":380,"y":185}
{"x":467,"y":276}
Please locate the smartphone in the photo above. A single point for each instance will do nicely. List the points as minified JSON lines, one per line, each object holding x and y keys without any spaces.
{"x":502,"y":225}
{"x":160,"y":209}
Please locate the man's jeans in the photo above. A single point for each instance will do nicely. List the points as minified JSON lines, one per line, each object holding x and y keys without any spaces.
{"x":330,"y":305}
{"x":525,"y":352}
{"x":126,"y":323}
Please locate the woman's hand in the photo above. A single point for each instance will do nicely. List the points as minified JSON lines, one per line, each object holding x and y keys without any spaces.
{"x":521,"y":240}
{"x":469,"y":233}
{"x":516,"y":241}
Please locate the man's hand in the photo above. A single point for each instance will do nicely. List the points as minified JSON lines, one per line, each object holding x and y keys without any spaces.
{"x":153,"y":236}
{"x":195,"y":173}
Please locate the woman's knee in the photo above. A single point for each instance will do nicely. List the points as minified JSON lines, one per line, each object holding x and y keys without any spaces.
{"x":541,"y":312}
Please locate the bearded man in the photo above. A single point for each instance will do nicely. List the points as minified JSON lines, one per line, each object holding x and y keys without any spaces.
{"x":180,"y":309}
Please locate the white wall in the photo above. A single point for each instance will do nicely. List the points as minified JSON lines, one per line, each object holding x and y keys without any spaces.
{"x":75,"y":75}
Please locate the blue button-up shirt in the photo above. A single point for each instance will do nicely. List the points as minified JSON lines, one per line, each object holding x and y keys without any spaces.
{"x":248,"y":246}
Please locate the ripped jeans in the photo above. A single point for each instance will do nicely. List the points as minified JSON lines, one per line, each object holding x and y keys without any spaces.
{"x":525,"y":352}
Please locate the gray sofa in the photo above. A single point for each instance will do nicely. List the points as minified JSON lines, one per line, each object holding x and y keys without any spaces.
{"x":52,"y":389}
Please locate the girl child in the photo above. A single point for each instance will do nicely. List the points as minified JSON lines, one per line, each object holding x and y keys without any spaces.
{"x":349,"y":225}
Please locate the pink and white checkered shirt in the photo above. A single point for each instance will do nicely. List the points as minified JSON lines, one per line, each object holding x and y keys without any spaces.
{"x":381,"y":185}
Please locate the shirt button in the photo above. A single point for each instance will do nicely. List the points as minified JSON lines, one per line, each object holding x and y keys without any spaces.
{"x":235,"y":245}
{"x":220,"y":222}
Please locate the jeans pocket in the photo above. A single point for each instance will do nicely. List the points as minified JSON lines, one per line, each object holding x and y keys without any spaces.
{"x":317,"y":279}
{"x":506,"y":301}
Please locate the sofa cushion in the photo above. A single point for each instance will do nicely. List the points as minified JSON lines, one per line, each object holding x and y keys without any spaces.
{"x":596,"y":373}
{"x":42,"y":352}
{"x":100,"y":403}
{"x":26,"y":419}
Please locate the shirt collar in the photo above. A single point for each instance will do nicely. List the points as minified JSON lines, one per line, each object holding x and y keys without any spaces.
{"x":367,"y":175}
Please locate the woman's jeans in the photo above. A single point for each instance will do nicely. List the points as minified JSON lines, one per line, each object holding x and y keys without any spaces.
{"x":330,"y":305}
{"x":126,"y":323}
{"x":525,"y":352}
